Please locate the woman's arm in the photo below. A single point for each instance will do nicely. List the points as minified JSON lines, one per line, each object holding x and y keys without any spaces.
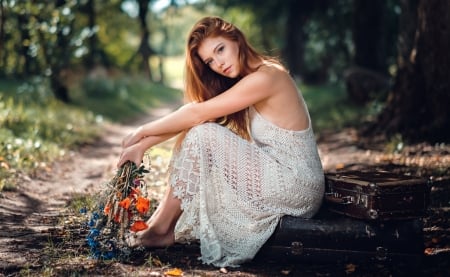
{"x":251,"y":89}
{"x":135,"y":152}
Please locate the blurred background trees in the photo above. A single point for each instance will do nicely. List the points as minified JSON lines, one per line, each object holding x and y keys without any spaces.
{"x":390,"y":55}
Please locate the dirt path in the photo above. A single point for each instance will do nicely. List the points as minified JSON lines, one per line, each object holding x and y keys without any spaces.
{"x":40,"y":236}
{"x":33,"y":211}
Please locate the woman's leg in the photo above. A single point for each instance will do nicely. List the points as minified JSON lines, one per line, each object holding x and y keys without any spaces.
{"x":186,"y":172}
{"x":160,"y":231}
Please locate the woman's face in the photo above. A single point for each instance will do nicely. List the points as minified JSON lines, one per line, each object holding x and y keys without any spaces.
{"x":221,"y":55}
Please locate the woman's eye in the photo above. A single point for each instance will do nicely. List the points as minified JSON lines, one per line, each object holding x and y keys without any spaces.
{"x":220,"y":49}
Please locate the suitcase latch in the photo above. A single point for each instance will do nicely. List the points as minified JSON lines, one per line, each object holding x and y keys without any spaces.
{"x":381,"y":253}
{"x":373,"y":214}
{"x":296,"y":248}
{"x":337,"y":198}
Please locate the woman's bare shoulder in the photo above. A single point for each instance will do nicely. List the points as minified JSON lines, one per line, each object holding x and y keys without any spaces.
{"x":273,"y":71}
{"x":268,"y":71}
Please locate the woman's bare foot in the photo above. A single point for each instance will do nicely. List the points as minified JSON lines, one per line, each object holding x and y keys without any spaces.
{"x":161,"y":225}
{"x":151,"y":239}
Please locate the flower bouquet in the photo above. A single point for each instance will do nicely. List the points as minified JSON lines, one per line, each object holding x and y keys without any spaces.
{"x":123,"y":208}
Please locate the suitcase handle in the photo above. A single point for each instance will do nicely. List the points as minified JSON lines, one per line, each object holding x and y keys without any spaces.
{"x":336,"y":198}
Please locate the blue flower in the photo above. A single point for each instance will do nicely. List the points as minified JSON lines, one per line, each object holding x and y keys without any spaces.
{"x":94,"y":233}
{"x":95,"y":215}
{"x":109,"y":255}
{"x":92,"y":243}
{"x":91,"y":222}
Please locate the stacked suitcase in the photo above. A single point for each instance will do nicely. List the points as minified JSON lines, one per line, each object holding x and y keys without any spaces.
{"x":366,"y":216}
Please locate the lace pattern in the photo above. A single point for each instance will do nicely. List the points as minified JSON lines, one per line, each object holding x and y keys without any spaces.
{"x":233,"y":192}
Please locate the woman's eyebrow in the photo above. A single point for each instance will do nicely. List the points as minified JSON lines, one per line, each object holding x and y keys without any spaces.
{"x":217,"y":46}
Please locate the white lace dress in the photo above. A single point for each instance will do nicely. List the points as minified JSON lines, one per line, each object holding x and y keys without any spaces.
{"x":234,"y":191}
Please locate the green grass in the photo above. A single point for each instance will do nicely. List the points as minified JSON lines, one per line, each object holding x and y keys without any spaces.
{"x":124,"y":98}
{"x":32,"y":135}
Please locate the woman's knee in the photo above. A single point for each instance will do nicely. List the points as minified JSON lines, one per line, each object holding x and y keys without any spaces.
{"x":203,"y":130}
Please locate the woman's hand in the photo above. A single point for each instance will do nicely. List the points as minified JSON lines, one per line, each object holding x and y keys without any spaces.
{"x":131,"y":138}
{"x":134,"y":150}
{"x":133,"y":153}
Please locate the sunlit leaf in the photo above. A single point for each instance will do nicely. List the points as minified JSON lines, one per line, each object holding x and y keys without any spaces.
{"x":174,"y":272}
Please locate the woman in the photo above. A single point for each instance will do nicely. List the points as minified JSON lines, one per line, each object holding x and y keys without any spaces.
{"x":246,"y":155}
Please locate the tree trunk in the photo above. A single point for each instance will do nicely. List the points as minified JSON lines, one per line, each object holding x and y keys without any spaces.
{"x":369,"y":35}
{"x":60,"y":62}
{"x":144,"y":48}
{"x":2,"y":28}
{"x":367,"y":78}
{"x":295,"y":38}
{"x":60,"y":90}
{"x":418,"y":105}
{"x":24,"y":69}
{"x":90,"y":11}
{"x":96,"y":55}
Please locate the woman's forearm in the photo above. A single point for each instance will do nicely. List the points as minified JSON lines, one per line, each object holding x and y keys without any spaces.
{"x":150,"y":141}
{"x":183,"y":118}
{"x":135,"y":152}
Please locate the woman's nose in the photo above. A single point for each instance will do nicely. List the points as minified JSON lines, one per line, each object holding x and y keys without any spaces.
{"x":220,"y":62}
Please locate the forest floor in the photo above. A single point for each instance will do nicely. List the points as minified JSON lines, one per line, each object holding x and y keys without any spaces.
{"x":42,"y":235}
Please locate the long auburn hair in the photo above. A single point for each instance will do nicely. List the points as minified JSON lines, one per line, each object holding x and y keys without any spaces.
{"x":202,"y":83}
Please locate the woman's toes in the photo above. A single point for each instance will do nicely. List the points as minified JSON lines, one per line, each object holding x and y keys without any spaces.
{"x":133,"y":240}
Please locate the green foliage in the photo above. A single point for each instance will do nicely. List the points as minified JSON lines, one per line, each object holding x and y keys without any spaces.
{"x":330,"y":108}
{"x":40,"y":37}
{"x":123,"y":98}
{"x":170,"y":29}
{"x":118,"y":34}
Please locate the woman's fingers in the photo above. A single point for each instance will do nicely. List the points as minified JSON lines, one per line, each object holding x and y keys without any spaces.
{"x":131,"y":153}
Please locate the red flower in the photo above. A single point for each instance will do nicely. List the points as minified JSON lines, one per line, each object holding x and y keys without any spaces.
{"x":125,"y":203}
{"x":138,"y":225}
{"x":107,"y":209}
{"x":135,"y":191}
{"x":142,"y":205}
{"x":117,"y":217}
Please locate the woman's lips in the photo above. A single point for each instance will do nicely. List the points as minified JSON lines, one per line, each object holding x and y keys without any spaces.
{"x":227,"y":70}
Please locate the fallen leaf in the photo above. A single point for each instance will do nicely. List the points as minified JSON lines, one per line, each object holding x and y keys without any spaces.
{"x":174,"y":272}
{"x":429,"y":251}
{"x":350,"y":268}
{"x":4,"y":165}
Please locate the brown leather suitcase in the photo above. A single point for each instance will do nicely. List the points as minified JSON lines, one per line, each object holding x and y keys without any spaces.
{"x":376,"y":195}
